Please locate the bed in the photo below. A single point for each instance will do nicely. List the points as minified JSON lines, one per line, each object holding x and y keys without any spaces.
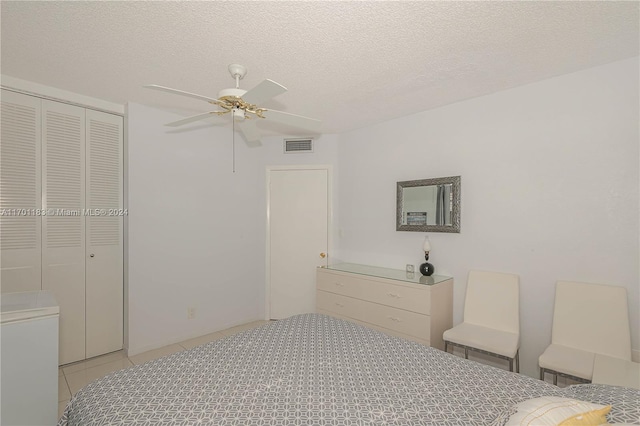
{"x":314,"y":369}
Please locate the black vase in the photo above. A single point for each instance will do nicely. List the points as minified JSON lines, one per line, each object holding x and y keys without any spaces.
{"x":426,"y":269}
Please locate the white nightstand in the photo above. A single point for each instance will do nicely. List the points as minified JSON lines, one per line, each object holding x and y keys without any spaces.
{"x":615,"y":371}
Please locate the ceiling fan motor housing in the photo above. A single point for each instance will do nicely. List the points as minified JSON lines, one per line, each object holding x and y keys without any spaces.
{"x":237,"y":93}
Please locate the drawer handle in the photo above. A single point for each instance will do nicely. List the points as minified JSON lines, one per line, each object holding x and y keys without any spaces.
{"x":397,"y":296}
{"x":340,"y":304}
{"x":339,"y":284}
{"x":395,"y":319}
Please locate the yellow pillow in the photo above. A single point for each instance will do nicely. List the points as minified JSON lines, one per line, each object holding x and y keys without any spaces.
{"x":557,"y":411}
{"x":595,"y":417}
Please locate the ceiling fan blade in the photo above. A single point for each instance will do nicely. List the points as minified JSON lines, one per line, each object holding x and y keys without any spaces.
{"x":250,"y":132}
{"x":191,"y":119}
{"x":304,"y":123}
{"x":180,"y":92}
{"x":263,"y":92}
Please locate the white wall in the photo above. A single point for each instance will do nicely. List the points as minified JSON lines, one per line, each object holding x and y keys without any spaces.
{"x":549,"y":190}
{"x":196,"y":230}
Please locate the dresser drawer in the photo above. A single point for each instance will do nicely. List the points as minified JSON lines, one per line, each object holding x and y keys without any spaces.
{"x":342,"y":305}
{"x":412,"y":299}
{"x":375,"y":327}
{"x":334,"y":283}
{"x":398,"y":296}
{"x":399,"y":320}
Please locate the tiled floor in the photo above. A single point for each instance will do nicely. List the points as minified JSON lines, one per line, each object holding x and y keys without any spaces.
{"x":73,"y":377}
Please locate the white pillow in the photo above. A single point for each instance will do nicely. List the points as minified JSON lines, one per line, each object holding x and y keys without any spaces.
{"x":553,"y":411}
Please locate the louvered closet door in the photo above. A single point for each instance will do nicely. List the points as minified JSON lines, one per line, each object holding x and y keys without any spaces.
{"x":104,"y":275}
{"x":20,"y":193}
{"x":63,"y":228}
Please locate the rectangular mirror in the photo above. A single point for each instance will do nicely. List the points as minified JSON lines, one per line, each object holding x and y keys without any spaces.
{"x":428,"y":205}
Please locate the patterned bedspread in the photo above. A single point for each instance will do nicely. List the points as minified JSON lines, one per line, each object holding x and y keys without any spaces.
{"x":317,"y":370}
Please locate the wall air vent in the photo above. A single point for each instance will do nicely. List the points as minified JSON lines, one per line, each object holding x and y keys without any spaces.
{"x":298,"y":146}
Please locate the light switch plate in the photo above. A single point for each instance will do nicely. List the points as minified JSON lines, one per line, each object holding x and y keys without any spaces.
{"x":410,"y":268}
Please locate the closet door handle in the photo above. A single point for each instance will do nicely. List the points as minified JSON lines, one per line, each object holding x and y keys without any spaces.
{"x":92,"y":255}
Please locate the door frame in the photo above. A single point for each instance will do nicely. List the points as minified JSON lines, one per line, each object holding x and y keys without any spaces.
{"x":269,"y":169}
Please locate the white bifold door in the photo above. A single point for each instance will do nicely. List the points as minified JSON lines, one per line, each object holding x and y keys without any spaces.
{"x":104,"y":224}
{"x":79,"y":219}
{"x":20,"y":190}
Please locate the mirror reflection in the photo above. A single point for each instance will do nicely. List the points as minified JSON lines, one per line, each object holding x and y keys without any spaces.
{"x":429,"y":205}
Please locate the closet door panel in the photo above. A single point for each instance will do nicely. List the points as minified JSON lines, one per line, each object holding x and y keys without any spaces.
{"x":63,"y":228}
{"x":104,"y":201}
{"x":20,"y":189}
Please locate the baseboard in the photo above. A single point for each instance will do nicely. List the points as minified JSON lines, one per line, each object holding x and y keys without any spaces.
{"x":131,"y":351}
{"x":635,"y":355}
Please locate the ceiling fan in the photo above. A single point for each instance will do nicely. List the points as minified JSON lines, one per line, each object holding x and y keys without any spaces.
{"x":243,"y":107}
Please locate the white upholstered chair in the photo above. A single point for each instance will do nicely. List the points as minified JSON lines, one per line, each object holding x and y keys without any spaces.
{"x":588,"y":319}
{"x":491,"y":322}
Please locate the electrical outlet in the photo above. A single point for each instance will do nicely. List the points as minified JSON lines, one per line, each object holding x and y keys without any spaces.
{"x":410,"y":268}
{"x":191,"y":313}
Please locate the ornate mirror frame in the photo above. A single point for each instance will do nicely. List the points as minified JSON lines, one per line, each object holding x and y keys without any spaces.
{"x":454,"y":181}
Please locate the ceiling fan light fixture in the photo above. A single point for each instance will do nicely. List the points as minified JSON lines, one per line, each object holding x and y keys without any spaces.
{"x":238,"y":114}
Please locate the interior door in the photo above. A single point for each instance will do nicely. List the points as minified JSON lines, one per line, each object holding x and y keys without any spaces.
{"x":63,"y":228}
{"x":104,"y":256}
{"x":20,"y":186}
{"x":298,"y":214}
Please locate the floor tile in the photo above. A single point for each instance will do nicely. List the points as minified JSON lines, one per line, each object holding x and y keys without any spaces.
{"x":197,"y":341}
{"x":237,"y":329}
{"x":63,"y":389}
{"x":61,"y":406}
{"x":82,"y":378}
{"x":93,"y":362}
{"x":155,"y":354}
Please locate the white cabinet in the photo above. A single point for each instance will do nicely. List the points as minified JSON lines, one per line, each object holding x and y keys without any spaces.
{"x":62,"y":216}
{"x":414,"y":307}
{"x":29,"y":352}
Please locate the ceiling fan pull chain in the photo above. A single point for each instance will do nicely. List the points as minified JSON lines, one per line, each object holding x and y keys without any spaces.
{"x":233,"y":142}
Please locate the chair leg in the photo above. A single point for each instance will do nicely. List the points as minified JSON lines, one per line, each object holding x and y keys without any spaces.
{"x":446,"y":346}
{"x":518,"y":361}
{"x":510,"y":364}
{"x":555,"y":379}
{"x":542,"y":374}
{"x":466,"y":353}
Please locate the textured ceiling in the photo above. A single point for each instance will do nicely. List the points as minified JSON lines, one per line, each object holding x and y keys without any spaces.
{"x":350,"y":64}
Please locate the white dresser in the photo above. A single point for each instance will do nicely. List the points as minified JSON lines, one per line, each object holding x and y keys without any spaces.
{"x":393,"y":301}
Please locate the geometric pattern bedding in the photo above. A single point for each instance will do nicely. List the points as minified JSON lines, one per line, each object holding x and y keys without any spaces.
{"x":314,"y":369}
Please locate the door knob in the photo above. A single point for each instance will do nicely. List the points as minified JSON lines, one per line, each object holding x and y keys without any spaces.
{"x":323,"y":255}
{"x":92,"y":255}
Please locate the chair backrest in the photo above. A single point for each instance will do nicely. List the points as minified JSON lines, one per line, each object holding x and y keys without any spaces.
{"x":493,"y":300}
{"x":593,"y":318}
